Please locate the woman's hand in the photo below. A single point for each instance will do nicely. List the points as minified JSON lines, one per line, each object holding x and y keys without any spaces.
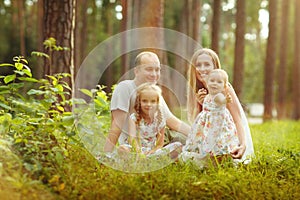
{"x":238,"y":152}
{"x":228,"y":98}
{"x":201,"y":95}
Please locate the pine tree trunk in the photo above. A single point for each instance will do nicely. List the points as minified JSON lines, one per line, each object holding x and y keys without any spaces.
{"x":282,"y":68}
{"x":216,"y":25}
{"x":270,"y":62}
{"x":296,"y":68}
{"x":238,"y":75}
{"x":59,"y":22}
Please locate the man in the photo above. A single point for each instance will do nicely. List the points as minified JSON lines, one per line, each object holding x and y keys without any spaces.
{"x":147,"y":69}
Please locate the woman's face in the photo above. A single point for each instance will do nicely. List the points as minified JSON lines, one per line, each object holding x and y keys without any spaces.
{"x":204,"y":65}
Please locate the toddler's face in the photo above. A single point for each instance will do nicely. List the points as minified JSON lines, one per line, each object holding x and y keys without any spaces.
{"x":215,"y":83}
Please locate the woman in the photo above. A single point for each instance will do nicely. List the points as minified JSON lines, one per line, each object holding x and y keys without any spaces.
{"x":203,"y":61}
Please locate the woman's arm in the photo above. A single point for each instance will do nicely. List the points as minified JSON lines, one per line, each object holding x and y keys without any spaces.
{"x":236,"y":115}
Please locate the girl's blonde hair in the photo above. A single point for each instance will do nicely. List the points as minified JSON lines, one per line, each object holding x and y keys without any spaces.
{"x":137,"y":106}
{"x":193,"y":107}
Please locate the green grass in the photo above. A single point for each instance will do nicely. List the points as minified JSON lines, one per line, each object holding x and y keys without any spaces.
{"x":273,"y":174}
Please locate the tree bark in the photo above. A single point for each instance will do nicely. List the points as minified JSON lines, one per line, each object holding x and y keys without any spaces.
{"x":124,"y":27}
{"x":238,"y":75}
{"x":40,"y":4}
{"x":216,"y":25}
{"x":296,"y":68}
{"x":270,"y":62}
{"x":80,"y":33}
{"x":22,"y":27}
{"x":282,"y":68}
{"x":59,"y":24}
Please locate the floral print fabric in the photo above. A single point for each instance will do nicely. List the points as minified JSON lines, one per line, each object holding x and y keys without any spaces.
{"x":213,"y":131}
{"x":147,"y":133}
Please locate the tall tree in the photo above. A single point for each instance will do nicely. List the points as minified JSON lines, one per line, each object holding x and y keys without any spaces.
{"x":59,"y":21}
{"x":108,"y":17}
{"x":40,"y":12}
{"x":21,"y":21}
{"x":270,"y":62}
{"x":189,"y":24}
{"x":282,"y":68}
{"x":124,"y":26}
{"x":152,"y":16}
{"x":18,"y":19}
{"x":80,"y":33}
{"x":239,"y":47}
{"x":216,"y":25}
{"x":296,"y":68}
{"x":196,"y":11}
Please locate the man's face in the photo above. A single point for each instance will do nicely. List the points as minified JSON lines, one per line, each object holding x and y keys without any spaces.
{"x":149,"y":70}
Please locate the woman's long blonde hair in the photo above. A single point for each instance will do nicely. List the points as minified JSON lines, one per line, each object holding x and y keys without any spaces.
{"x":193,"y":107}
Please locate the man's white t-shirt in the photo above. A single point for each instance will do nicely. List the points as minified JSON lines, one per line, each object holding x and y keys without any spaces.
{"x":123,"y":98}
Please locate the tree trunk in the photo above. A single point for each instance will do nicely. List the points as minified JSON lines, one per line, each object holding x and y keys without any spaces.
{"x":109,"y":29}
{"x":282,"y":68}
{"x":238,"y":74}
{"x":59,"y":24}
{"x":21,"y":20}
{"x":151,"y":15}
{"x":124,"y":27}
{"x":270,"y":62}
{"x":296,"y":68}
{"x":196,"y":5}
{"x":189,"y":25}
{"x":80,"y":33}
{"x":40,"y":4}
{"x":216,"y":25}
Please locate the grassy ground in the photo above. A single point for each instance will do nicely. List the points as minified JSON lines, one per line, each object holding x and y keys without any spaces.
{"x":273,"y":174}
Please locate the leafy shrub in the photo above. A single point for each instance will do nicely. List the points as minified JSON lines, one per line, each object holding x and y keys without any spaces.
{"x":37,"y":125}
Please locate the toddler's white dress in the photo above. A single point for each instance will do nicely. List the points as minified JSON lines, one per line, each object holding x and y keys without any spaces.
{"x":213,"y":131}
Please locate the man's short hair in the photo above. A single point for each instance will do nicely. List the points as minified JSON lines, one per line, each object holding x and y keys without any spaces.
{"x":138,"y":58}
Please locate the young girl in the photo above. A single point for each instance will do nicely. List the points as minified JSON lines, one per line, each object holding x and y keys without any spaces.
{"x":147,"y":124}
{"x":213,"y":132}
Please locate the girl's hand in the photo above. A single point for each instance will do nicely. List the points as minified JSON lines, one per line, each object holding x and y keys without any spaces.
{"x":201,"y":95}
{"x":238,"y":152}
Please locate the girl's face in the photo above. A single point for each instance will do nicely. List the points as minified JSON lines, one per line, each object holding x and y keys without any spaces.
{"x":149,"y":102}
{"x":204,"y":65}
{"x":215,"y":83}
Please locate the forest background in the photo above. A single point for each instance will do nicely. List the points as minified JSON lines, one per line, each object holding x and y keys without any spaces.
{"x":257,"y":41}
{"x":46,"y":152}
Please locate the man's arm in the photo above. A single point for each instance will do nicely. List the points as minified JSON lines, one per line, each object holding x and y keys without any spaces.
{"x":117,"y":122}
{"x":175,"y":124}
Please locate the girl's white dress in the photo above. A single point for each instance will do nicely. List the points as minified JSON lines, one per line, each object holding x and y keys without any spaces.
{"x":213,"y":131}
{"x":147,"y":136}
